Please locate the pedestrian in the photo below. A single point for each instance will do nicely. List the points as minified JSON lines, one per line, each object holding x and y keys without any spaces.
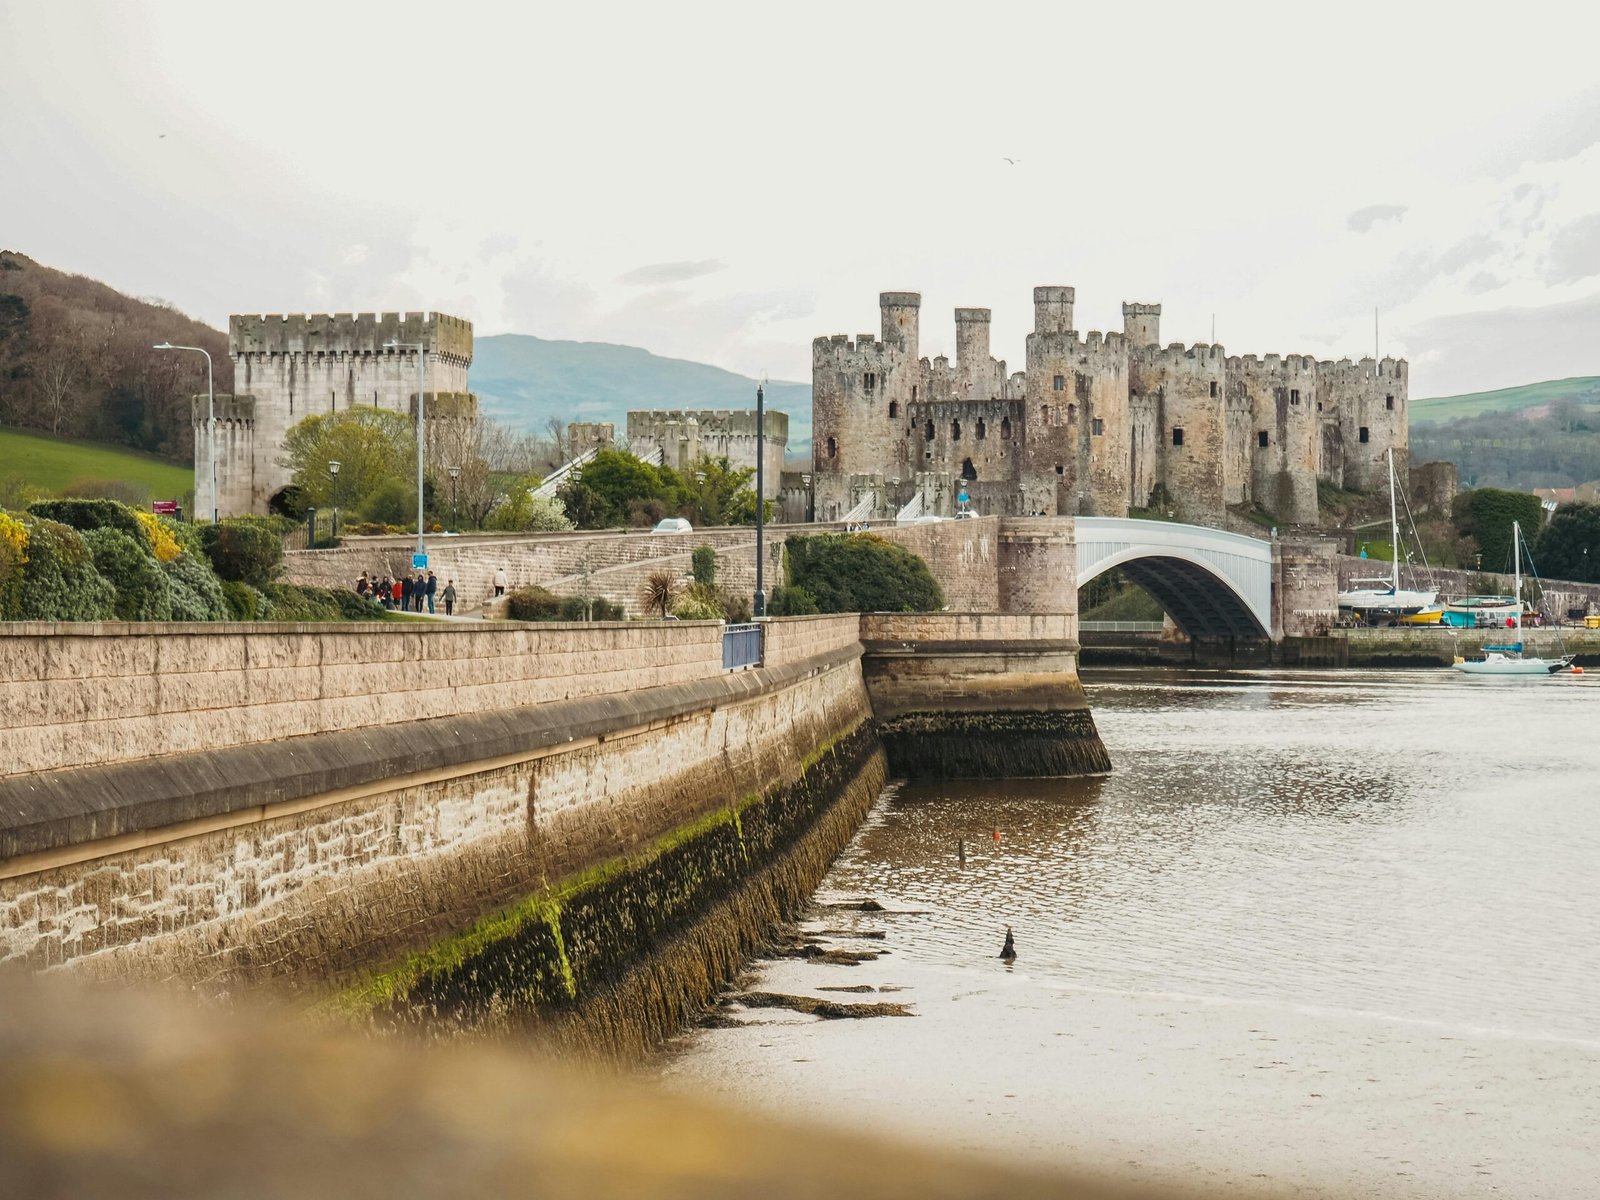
{"x":381,"y":592}
{"x":416,"y":591}
{"x":499,"y":581}
{"x":405,"y":593}
{"x":361,"y":585}
{"x":430,"y":589}
{"x":449,"y":597}
{"x":394,"y":592}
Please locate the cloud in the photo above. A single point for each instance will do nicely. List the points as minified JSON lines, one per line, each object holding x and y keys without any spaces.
{"x":672,"y":272}
{"x":1363,"y":219}
{"x":1575,"y":251}
{"x":1547,"y":342}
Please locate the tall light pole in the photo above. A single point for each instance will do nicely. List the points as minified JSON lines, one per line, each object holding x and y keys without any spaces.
{"x":211,"y":417}
{"x":422,"y":379}
{"x":455,"y":474}
{"x":333,"y":472}
{"x":761,"y":494}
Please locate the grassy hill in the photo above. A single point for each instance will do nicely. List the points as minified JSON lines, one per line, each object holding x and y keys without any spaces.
{"x":31,"y":460}
{"x":1583,"y":390}
{"x":523,"y":381}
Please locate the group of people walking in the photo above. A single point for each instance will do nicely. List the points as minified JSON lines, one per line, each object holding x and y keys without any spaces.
{"x":408,"y":593}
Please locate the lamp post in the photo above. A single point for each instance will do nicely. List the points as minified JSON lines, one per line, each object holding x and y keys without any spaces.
{"x":422,"y":379}
{"x":455,"y":474}
{"x":333,"y":472}
{"x":211,"y":417}
{"x":760,"y":606}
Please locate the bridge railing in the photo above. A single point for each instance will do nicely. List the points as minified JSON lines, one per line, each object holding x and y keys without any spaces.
{"x":741,"y":646}
{"x":1119,"y":626}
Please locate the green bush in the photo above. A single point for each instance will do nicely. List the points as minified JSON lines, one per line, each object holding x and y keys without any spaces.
{"x":861,"y":573}
{"x":573,"y":608}
{"x":144,"y":593}
{"x":1569,"y":547}
{"x":244,"y":602}
{"x":704,"y":565}
{"x":1485,"y":515}
{"x":697,"y":602}
{"x":791,"y":602}
{"x":390,"y":503}
{"x":84,"y":515}
{"x":533,"y":603}
{"x":296,"y":602}
{"x":196,"y":591}
{"x":60,"y":582}
{"x":244,"y":550}
{"x":356,"y":608}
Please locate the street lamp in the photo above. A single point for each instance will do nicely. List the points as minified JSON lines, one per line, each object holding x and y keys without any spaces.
{"x":211,"y":418}
{"x":422,"y":379}
{"x":333,"y":472}
{"x":761,"y":492}
{"x":455,"y":474}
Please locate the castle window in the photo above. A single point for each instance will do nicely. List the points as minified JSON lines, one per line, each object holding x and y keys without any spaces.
{"x":894,"y":409}
{"x":1072,"y":414}
{"x":1388,"y":402}
{"x":927,"y":432}
{"x":1177,"y":436}
{"x":1294,"y":395}
{"x":1213,"y":387}
{"x":1364,"y":434}
{"x":980,"y":431}
{"x":1044,"y":414}
{"x":833,"y":448}
{"x":1061,"y":383}
{"x":869,"y":381}
{"x":1099,"y":427}
{"x":913,"y":392}
{"x":1059,"y":470}
{"x":1005,"y":429}
{"x":1261,"y":439}
{"x":955,"y":431}
{"x":968,"y":471}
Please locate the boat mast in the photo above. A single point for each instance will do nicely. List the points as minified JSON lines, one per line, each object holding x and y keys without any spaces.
{"x":1394,"y":533}
{"x":1516,"y":574}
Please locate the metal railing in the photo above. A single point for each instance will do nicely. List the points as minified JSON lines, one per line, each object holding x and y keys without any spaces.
{"x":741,"y":646}
{"x":1119,"y":626}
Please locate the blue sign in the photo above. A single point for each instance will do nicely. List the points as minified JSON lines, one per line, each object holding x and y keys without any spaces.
{"x":961,"y":498}
{"x":419,"y":562}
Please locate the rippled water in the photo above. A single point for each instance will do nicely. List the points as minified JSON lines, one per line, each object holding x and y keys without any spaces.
{"x":1335,"y":931}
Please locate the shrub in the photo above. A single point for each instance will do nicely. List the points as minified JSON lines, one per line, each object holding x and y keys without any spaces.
{"x":735,"y":609}
{"x":791,"y":602}
{"x":705,"y":565}
{"x":13,"y":559}
{"x":84,"y":515}
{"x":243,"y":550}
{"x":390,"y":503}
{"x":59,"y":582}
{"x":144,"y":592}
{"x":575,"y":608}
{"x":244,"y":602}
{"x":158,"y":537}
{"x":356,"y":608}
{"x":295,"y":602}
{"x":697,"y":602}
{"x":861,"y":573}
{"x":135,"y":495}
{"x":1485,"y":514}
{"x":533,"y":604}
{"x":196,"y":591}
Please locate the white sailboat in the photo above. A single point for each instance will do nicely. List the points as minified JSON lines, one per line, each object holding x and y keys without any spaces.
{"x":1509,"y":659}
{"x":1393,"y":598}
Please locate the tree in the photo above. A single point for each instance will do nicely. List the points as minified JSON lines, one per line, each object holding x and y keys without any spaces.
{"x":1569,"y":546}
{"x":1486,"y":515}
{"x":659,"y":591}
{"x":861,"y":573}
{"x":377,"y":455}
{"x":614,"y":487}
{"x":522,"y":511}
{"x":718,"y":493}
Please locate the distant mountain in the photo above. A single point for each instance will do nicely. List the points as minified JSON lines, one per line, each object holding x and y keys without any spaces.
{"x":1584,"y":390}
{"x":523,"y":381}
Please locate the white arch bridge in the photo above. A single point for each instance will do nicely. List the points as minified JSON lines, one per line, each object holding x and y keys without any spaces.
{"x":1210,"y":582}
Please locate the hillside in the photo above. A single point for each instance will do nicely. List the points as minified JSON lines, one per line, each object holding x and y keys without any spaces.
{"x":36,"y":462}
{"x":76,"y":361}
{"x":1584,"y":390}
{"x":523,"y":381}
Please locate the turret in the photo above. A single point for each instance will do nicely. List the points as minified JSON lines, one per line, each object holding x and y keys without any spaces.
{"x":1141,"y":324}
{"x":1052,"y":309}
{"x":899,"y":311}
{"x":972,"y":340}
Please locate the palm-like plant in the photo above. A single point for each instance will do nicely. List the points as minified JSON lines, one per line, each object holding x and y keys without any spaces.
{"x":659,"y":591}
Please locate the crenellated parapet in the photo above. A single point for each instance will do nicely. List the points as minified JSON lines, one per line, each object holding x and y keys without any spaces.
{"x":350,"y":333}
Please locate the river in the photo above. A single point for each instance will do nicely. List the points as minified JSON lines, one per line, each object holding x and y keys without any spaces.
{"x":1336,"y":934}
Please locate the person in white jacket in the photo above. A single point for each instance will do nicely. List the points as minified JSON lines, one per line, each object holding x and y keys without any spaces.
{"x":499,"y":581}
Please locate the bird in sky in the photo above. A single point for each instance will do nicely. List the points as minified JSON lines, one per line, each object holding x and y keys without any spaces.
{"x":1012,"y":161}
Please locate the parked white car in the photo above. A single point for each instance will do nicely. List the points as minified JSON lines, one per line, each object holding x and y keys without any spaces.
{"x":673,"y":525}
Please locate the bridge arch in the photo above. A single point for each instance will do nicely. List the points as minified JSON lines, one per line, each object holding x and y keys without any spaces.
{"x":1210,"y":582}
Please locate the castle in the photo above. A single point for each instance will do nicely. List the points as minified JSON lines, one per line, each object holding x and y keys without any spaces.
{"x":289,"y":367}
{"x":1097,"y":423}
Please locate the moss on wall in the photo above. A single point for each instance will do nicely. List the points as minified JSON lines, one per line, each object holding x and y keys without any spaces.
{"x":993,"y":745}
{"x":614,"y":959}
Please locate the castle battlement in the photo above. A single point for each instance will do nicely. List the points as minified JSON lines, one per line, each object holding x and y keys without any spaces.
{"x":349,"y":333}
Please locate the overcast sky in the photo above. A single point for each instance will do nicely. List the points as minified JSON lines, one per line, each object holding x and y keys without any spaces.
{"x":720,"y":183}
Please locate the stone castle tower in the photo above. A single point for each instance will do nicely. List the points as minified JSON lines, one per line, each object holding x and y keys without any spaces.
{"x":1096,"y":423}
{"x":288,"y":367}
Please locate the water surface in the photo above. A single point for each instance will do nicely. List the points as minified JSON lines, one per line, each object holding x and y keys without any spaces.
{"x":1335,"y":933}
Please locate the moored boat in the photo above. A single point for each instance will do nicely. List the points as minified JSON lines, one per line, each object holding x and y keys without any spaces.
{"x":1510,"y":659}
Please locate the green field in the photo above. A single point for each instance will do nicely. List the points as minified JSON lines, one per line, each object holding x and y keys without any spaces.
{"x":1583,"y":389}
{"x":52,"y":464}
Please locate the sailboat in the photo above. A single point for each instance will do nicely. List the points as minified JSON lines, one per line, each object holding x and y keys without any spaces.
{"x":1392,"y":599}
{"x":1509,"y":659}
